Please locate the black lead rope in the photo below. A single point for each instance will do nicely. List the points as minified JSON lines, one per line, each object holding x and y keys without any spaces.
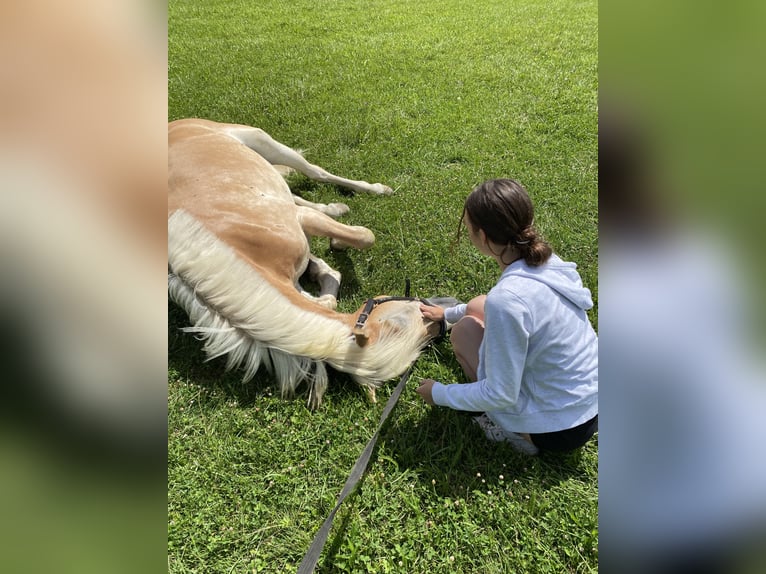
{"x":311,"y":558}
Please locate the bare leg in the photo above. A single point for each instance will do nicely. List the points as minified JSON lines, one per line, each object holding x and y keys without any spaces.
{"x":280,"y":154}
{"x":467,"y":335}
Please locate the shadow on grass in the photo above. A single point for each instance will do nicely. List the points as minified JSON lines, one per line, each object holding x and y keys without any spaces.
{"x":349,"y":283}
{"x":188,"y":359}
{"x":300,"y":184}
{"x":448,"y":449}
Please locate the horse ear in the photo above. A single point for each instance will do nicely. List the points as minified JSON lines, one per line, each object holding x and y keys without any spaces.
{"x":361,"y":338}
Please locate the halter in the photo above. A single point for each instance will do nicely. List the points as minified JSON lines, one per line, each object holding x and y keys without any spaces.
{"x":370,"y":304}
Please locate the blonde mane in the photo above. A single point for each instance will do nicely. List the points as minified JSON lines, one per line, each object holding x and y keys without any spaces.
{"x":238,"y":313}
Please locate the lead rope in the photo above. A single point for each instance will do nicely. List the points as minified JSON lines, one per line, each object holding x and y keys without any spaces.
{"x":311,"y":558}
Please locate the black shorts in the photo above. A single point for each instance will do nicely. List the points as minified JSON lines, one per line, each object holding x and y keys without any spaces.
{"x":566,"y":440}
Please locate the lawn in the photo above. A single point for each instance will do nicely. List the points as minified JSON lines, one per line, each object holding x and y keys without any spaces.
{"x":430,"y":98}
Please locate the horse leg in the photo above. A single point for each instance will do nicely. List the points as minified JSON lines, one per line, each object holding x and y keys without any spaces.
{"x":331,"y":209}
{"x":342,"y":236}
{"x":327,"y":278}
{"x":279,"y":154}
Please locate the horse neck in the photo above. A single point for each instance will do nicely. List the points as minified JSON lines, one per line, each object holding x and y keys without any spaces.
{"x":254,"y":300}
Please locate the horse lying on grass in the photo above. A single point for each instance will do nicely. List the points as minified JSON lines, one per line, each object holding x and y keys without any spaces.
{"x":238,"y":244}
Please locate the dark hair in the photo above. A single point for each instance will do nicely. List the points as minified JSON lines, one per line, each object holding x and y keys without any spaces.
{"x":503,"y":210}
{"x":630,"y":199}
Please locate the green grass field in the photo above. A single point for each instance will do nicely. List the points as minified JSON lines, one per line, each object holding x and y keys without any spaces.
{"x":430,"y":98}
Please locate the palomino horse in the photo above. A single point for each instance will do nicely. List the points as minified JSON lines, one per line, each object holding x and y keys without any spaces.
{"x":237,"y":247}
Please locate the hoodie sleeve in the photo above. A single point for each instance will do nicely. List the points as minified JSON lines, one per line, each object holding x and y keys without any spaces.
{"x":454,"y":314}
{"x":503,"y":353}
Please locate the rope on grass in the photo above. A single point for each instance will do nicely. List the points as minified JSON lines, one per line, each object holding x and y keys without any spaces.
{"x":311,"y":558}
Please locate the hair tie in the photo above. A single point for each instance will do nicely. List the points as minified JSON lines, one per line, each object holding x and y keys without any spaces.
{"x":522,"y":242}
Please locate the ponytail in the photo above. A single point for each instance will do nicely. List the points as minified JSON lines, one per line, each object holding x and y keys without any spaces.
{"x":532,"y":247}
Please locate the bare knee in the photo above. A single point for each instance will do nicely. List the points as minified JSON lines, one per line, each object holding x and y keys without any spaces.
{"x":475,"y":308}
{"x":466,"y":338}
{"x":468,"y":332}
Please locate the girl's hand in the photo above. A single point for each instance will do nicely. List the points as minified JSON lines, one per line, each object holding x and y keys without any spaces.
{"x":424,"y":390}
{"x":432,"y":312}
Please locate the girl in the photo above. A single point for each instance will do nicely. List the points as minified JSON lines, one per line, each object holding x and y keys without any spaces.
{"x":528,"y":344}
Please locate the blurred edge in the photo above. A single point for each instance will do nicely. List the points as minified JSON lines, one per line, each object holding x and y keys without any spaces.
{"x":682,"y":477}
{"x":83,"y":172}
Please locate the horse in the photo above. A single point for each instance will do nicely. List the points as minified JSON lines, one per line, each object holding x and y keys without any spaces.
{"x":238,"y":246}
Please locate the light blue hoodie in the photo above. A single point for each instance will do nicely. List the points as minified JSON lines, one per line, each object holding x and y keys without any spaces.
{"x":538,"y":361}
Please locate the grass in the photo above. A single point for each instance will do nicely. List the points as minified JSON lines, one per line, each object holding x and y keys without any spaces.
{"x":430,"y":98}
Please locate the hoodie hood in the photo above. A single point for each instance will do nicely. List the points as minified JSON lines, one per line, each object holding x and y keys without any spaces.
{"x":559,"y":275}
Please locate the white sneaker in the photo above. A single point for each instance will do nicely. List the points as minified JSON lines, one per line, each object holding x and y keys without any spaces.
{"x":496,"y":433}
